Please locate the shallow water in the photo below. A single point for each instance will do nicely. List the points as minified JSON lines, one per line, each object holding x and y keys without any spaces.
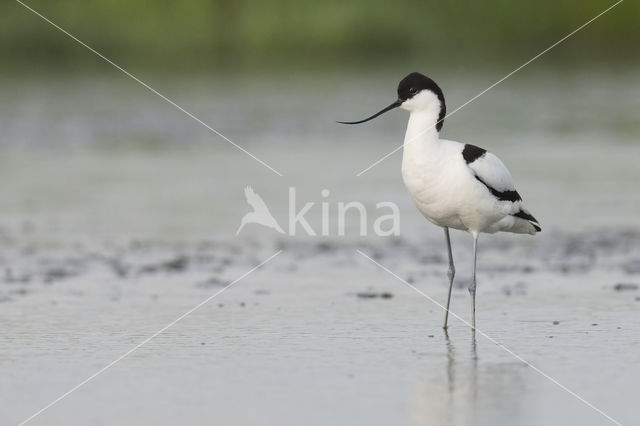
{"x":296,"y":339}
{"x":118,"y":214}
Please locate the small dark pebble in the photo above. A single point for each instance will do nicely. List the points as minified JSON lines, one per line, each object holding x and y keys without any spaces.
{"x":430,"y":336}
{"x":220,"y":305}
{"x":173,"y":265}
{"x":637,"y":298}
{"x":203,"y":343}
{"x":242,"y":304}
{"x":550,"y":337}
{"x":324,"y":247}
{"x":625,"y":286}
{"x":556,"y":322}
{"x":372,"y":295}
{"x":594,"y":324}
{"x":56,"y":274}
{"x":176,"y":264}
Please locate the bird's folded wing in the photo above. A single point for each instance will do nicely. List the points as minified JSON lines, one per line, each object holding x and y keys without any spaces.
{"x":492,"y":172}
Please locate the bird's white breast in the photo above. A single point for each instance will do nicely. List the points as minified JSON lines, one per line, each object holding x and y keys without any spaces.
{"x":441,"y":184}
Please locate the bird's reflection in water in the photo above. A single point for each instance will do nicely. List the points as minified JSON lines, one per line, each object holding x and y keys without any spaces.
{"x":453,"y":405}
{"x":451,"y":363}
{"x":474,"y":346}
{"x":473,"y":380}
{"x":474,"y":366}
{"x":462,"y":387}
{"x":451,"y":359}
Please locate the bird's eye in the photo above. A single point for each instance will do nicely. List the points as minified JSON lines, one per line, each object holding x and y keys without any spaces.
{"x":413,"y":90}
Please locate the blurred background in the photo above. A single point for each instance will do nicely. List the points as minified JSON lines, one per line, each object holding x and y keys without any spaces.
{"x":199,"y":35}
{"x":88,"y":151}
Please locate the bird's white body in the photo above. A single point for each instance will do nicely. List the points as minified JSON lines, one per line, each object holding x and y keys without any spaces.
{"x":446,"y":189}
{"x":454,"y":185}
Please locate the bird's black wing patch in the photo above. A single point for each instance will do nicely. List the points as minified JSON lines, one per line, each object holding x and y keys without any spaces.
{"x":510,"y":195}
{"x":471,"y":153}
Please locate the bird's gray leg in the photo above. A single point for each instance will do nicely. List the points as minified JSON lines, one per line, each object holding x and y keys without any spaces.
{"x":450,"y":274}
{"x":472,"y":286}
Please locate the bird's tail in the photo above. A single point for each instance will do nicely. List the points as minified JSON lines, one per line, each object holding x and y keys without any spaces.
{"x":523,"y":214}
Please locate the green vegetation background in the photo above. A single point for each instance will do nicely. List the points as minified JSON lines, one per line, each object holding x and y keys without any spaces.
{"x":231,"y":33}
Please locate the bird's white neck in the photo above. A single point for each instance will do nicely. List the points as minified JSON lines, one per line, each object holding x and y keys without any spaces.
{"x":421,"y":145}
{"x":421,"y":129}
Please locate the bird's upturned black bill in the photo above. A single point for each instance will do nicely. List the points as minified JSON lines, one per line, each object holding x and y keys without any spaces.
{"x":396,"y":104}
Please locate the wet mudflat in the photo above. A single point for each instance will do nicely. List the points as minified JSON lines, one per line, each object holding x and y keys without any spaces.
{"x":320,"y":333}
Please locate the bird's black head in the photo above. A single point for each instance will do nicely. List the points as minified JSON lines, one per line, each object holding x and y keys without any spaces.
{"x":414,"y":85}
{"x":415,"y":91}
